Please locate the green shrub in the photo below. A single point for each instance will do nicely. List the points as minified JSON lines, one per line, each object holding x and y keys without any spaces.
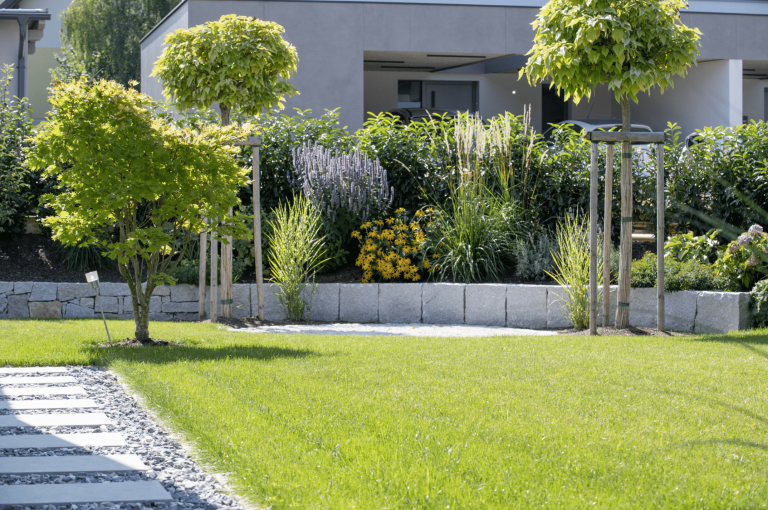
{"x":760,"y":303}
{"x":684,"y":247}
{"x":532,"y":255}
{"x":745,"y":260}
{"x":296,"y":251}
{"x":188,"y":271}
{"x":84,"y":258}
{"x":679,"y":275}
{"x":571,"y":272}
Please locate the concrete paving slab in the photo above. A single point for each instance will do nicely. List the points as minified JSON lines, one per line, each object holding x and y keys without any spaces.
{"x":55,"y":420}
{"x":396,"y":330}
{"x":70,"y":464}
{"x":74,"y":403}
{"x":81,"y":493}
{"x":32,"y":370}
{"x":45,"y":390}
{"x":66,"y":379}
{"x":43,"y":441}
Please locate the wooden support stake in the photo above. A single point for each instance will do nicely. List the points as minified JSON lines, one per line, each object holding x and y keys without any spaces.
{"x":625,"y":264}
{"x":214,"y":279}
{"x":226,"y":276}
{"x":257,"y":230}
{"x":201,"y":287}
{"x":660,"y":238}
{"x":607,"y":236}
{"x":593,"y":243}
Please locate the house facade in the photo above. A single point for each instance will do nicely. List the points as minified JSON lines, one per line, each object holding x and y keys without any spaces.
{"x":371,"y":56}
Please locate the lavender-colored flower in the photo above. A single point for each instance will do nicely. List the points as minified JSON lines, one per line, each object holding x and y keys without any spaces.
{"x":752,"y":261}
{"x":755,"y":230}
{"x":733,"y":248}
{"x":745,"y":239}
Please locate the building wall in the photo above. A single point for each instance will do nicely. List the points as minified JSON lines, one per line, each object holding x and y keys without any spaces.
{"x":9,"y":49}
{"x":754,"y":99}
{"x":152,"y":47}
{"x":494,"y":91}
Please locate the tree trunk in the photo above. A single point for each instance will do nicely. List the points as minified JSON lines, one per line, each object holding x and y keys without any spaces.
{"x":224,"y":114}
{"x":625,"y":248}
{"x":142,"y":325}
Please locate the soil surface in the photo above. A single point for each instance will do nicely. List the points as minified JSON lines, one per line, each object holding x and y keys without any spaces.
{"x":132,"y":342}
{"x":630,"y":331}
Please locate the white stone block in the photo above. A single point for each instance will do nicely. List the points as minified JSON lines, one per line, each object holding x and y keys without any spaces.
{"x":273,"y":310}
{"x":721,"y":312}
{"x":679,"y":310}
{"x":3,"y":304}
{"x":87,"y":302}
{"x":400,"y":303}
{"x":6,"y":287}
{"x":557,"y":309}
{"x":325,"y":303}
{"x":76,"y":311}
{"x":155,"y":304}
{"x":45,"y":309}
{"x":110,"y":304}
{"x":43,"y":291}
{"x":184,"y":293}
{"x":241,"y":300}
{"x":612,"y":302}
{"x":442,"y":303}
{"x":22,"y":287}
{"x":17,"y":307}
{"x":359,"y":302}
{"x":527,"y":306}
{"x":642,"y":308}
{"x":113,"y":289}
{"x":485,"y":304}
{"x":160,"y":290}
{"x":70,"y":291}
{"x":183,"y":307}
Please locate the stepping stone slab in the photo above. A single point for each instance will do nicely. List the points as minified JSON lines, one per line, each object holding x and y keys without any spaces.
{"x":70,"y":464}
{"x":45,"y":390}
{"x":66,"y":379}
{"x":55,"y":420}
{"x":80,"y":493}
{"x":48,"y":404}
{"x":42,"y":441}
{"x":32,"y":370}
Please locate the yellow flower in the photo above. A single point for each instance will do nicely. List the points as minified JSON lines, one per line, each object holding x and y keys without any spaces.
{"x":400,"y":211}
{"x":419,"y":213}
{"x":435,"y":256}
{"x":380,"y":223}
{"x":390,"y":221}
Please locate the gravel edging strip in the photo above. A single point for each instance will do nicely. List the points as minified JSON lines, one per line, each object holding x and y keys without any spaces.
{"x":170,"y":461}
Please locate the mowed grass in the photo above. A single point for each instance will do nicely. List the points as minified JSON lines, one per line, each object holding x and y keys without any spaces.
{"x":392,"y":422}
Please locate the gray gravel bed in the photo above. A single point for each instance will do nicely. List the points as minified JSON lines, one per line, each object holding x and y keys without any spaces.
{"x":185,"y":480}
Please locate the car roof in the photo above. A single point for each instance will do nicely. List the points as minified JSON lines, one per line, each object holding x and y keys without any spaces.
{"x":592,"y":124}
{"x":424,"y":112}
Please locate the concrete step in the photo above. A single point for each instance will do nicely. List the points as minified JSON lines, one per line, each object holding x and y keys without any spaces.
{"x":66,"y":379}
{"x":70,"y":464}
{"x":81,"y":493}
{"x":32,"y":370}
{"x":72,"y":403}
{"x":42,"y":441}
{"x":55,"y":420}
{"x":46,"y":390}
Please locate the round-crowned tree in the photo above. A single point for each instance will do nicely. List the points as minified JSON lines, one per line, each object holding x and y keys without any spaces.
{"x":630,"y":45}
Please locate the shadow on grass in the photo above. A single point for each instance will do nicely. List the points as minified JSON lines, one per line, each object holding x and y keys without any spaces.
{"x":165,"y":355}
{"x":715,"y":402}
{"x":725,"y":442}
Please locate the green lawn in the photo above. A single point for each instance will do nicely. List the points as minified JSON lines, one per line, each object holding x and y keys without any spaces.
{"x":391,"y":422}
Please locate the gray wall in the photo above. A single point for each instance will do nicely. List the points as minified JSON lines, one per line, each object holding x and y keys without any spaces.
{"x":152,"y":47}
{"x":9,"y":49}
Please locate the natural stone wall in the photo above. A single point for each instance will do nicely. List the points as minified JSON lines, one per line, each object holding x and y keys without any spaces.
{"x":513,"y":306}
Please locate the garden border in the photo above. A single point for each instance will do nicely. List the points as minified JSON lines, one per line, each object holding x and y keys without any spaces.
{"x":510,"y":305}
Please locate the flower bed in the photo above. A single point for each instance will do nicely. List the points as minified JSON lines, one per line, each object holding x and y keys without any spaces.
{"x":515,"y":306}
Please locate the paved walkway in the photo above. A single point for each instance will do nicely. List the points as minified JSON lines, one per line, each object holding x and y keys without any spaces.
{"x":395,"y":330}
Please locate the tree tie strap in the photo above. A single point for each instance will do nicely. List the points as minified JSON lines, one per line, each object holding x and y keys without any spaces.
{"x":623,"y":304}
{"x":626,"y":219}
{"x":226,"y":301}
{"x":626,"y":155}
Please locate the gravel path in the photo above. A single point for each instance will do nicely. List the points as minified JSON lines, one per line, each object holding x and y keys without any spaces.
{"x":395,"y":330}
{"x":190,"y":486}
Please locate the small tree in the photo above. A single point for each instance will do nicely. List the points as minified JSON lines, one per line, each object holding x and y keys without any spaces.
{"x":631,"y":45}
{"x":236,"y":61}
{"x":120,"y":166}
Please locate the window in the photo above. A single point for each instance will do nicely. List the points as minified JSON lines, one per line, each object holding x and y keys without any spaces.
{"x":408,"y":94}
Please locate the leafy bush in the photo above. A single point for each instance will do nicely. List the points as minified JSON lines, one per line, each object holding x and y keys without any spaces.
{"x":296,"y":251}
{"x":395,"y":249}
{"x":188,"y":271}
{"x":533,"y":254}
{"x":84,"y":258}
{"x":684,"y":247}
{"x":572,"y":268}
{"x":760,"y":303}
{"x":745,"y":260}
{"x":16,"y":199}
{"x":679,"y":275}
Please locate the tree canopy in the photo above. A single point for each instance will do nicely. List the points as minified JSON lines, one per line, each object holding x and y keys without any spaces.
{"x":105,"y":35}
{"x":631,"y":45}
{"x":236,"y":61}
{"x":121,"y":166}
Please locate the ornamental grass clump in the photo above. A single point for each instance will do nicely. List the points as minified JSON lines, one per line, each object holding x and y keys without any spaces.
{"x":395,"y":249}
{"x":296,"y":251}
{"x":572,"y":268}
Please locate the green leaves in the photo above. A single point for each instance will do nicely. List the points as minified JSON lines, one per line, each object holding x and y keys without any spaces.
{"x":236,"y":61}
{"x":631,"y":45}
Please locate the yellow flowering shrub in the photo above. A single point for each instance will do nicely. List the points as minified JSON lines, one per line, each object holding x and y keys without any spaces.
{"x":394,"y":248}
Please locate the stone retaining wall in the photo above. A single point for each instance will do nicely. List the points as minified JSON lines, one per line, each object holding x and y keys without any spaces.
{"x":516,"y":306}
